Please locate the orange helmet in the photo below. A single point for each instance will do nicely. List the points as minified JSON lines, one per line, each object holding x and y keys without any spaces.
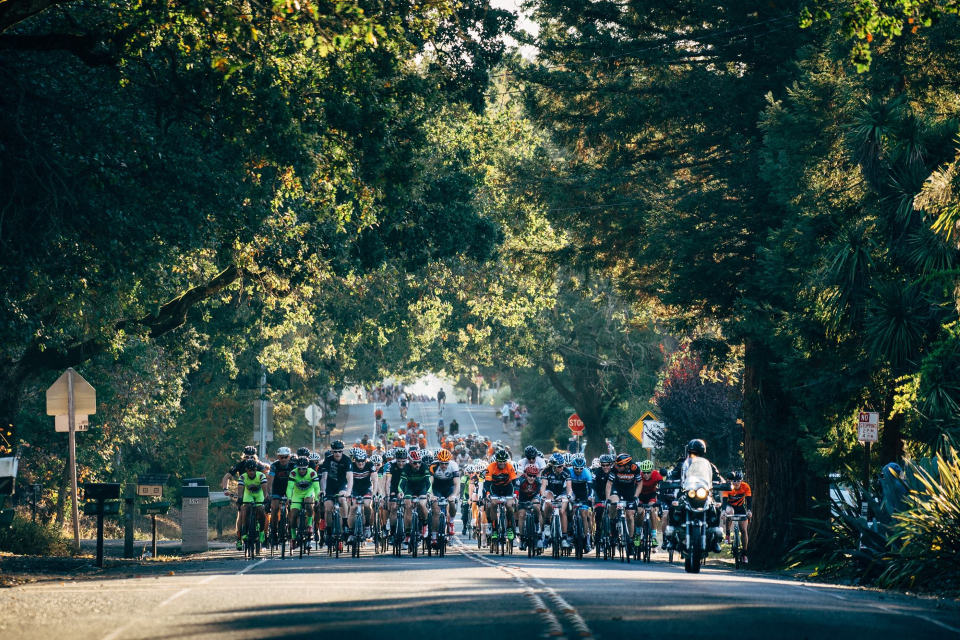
{"x":444,"y":456}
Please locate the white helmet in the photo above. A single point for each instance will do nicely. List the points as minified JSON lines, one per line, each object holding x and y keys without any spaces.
{"x":283,"y":451}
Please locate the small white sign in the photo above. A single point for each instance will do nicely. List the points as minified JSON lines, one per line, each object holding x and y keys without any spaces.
{"x":313,"y":414}
{"x":81,"y":423}
{"x":868,"y":426}
{"x":652,"y":433}
{"x":256,"y":436}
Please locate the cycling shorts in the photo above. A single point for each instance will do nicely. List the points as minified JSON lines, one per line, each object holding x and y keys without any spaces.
{"x":738,"y":511}
{"x":502,"y":492}
{"x":631,"y":502}
{"x":333,"y":490}
{"x":252,"y":497}
{"x":648,"y":498}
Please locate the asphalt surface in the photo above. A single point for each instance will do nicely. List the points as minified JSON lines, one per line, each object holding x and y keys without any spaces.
{"x":466,"y":593}
{"x":479,"y":419}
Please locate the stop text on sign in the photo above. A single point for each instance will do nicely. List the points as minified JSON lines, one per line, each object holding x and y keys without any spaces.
{"x":575,"y":424}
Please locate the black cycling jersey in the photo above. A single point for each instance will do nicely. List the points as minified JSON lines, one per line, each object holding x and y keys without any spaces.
{"x":527,"y":491}
{"x":336,"y":474}
{"x":556,"y":481}
{"x":240,"y":468}
{"x":600,"y":478}
{"x":362,"y":477}
{"x":396,"y":473}
{"x":281,"y":475}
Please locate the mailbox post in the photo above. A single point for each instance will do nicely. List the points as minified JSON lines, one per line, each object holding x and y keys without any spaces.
{"x":97,"y":495}
{"x":8,"y":474}
{"x":154,"y":509}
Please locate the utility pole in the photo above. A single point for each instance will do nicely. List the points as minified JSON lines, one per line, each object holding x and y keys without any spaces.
{"x":263,"y":412}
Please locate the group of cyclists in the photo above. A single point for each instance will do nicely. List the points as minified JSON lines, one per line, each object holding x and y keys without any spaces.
{"x":399,"y":480}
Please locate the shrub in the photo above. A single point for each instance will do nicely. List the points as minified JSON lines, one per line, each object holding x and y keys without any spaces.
{"x":25,"y":537}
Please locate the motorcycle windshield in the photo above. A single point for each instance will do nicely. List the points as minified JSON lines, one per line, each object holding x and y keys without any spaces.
{"x":697,"y":473}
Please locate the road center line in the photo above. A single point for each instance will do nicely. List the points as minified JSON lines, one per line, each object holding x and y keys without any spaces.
{"x":174,"y":597}
{"x":252,"y":566}
{"x":209,"y":580}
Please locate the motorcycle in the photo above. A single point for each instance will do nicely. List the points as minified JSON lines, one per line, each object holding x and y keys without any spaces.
{"x":694,"y":536}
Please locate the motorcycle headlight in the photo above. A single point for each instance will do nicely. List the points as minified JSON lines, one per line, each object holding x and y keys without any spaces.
{"x":691,"y":494}
{"x":702,"y":493}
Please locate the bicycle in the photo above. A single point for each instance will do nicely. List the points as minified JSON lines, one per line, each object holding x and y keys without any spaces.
{"x":398,"y":529}
{"x":251,"y":546}
{"x":442,"y":526}
{"x":335,"y":529}
{"x":302,"y":541}
{"x":530,"y":537}
{"x":415,"y":534}
{"x":380,"y":537}
{"x":579,"y":529}
{"x":736,"y":547}
{"x":556,"y":531}
{"x":646,"y":541}
{"x":504,"y":544}
{"x":279,"y":536}
{"x":620,"y":539}
{"x":603,"y":536}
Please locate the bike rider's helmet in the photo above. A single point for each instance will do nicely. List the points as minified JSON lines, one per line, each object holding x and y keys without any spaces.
{"x":401,"y":454}
{"x":414,"y":456}
{"x":736,"y":476}
{"x":624,"y":459}
{"x":390,"y":455}
{"x":579,"y":462}
{"x":459,"y":448}
{"x":501,"y":456}
{"x":250,"y":451}
{"x":328,"y":454}
{"x":606,"y":459}
{"x":531,"y":471}
{"x":530,"y":453}
{"x":697,"y":448}
{"x":444,"y":456}
{"x":314,"y":457}
{"x":646,"y":466}
{"x":440,"y":423}
{"x":427,"y":458}
{"x":250,"y":464}
{"x":568,"y":459}
{"x":303,"y":451}
{"x":557,"y":459}
{"x":376,"y":460}
{"x":303,"y":462}
{"x":359,"y":455}
{"x":336,"y":445}
{"x":283,"y":451}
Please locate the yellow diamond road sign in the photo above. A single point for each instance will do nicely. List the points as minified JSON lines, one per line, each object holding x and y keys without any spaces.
{"x":637,"y":429}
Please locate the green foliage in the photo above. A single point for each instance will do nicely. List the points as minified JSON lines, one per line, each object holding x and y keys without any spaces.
{"x":25,"y":537}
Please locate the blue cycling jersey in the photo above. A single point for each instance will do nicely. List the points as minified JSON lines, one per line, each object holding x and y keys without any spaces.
{"x":582,"y":484}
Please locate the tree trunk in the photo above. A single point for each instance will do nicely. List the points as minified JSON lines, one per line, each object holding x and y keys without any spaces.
{"x":775,"y":467}
{"x":891,"y":436}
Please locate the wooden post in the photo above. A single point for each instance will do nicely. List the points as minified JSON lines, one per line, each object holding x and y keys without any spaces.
{"x":153,"y":543}
{"x":129,"y":504}
{"x":72,"y":433}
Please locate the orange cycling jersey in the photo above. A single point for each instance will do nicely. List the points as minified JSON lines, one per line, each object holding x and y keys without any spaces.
{"x":501,"y":477}
{"x":736,"y":497}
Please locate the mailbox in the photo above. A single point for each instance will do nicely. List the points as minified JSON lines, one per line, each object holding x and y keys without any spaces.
{"x":111,"y":508}
{"x":155,"y":509}
{"x":219,"y":499}
{"x":195,"y":482}
{"x":101,"y":491}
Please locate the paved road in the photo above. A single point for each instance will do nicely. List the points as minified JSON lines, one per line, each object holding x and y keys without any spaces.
{"x":481,"y":419}
{"x":465,"y":594}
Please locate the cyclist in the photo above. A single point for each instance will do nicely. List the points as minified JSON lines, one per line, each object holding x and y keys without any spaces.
{"x":337,"y":483}
{"x":441,"y":400}
{"x":392,"y":473}
{"x":378,"y":417}
{"x":454,"y":427}
{"x":250,"y":494}
{"x":460,"y":455}
{"x":414,"y":485}
{"x":649,"y":494}
{"x":555,"y":484}
{"x":249,"y":453}
{"x":581,"y":485}
{"x":531,"y":455}
{"x":314,"y":460}
{"x":624,"y":484}
{"x":303,"y":452}
{"x":277,"y":479}
{"x":498,"y":482}
{"x":528,"y":497}
{"x":440,"y":431}
{"x":364,"y":486}
{"x":302,"y":489}
{"x":738,"y":501}
{"x":475,"y":491}
{"x":403,"y":406}
{"x":446,"y":483}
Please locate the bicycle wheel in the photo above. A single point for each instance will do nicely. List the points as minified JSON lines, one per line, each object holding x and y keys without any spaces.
{"x":282,"y":533}
{"x":737,"y":553}
{"x":555,"y":534}
{"x":441,"y":533}
{"x":578,"y":535}
{"x":415,"y":532}
{"x":646,"y":543}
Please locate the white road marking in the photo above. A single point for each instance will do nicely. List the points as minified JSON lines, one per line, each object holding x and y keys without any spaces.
{"x":208,"y":580}
{"x":252,"y":566}
{"x":476,"y":431}
{"x":113,"y":635}
{"x":174,"y":597}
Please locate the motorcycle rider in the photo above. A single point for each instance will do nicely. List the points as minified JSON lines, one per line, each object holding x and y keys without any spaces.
{"x":696,"y":465}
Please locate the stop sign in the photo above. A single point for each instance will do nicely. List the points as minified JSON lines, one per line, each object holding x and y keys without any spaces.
{"x":575,"y":424}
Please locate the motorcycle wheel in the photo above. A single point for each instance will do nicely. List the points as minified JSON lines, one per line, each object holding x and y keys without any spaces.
{"x":694,"y":558}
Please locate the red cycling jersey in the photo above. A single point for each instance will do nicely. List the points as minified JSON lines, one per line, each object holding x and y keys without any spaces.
{"x":650,"y":486}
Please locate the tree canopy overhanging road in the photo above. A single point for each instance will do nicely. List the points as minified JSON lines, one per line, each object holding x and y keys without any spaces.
{"x":739,"y":216}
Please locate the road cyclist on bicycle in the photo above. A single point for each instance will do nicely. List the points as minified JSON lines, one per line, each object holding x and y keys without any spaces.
{"x":555,"y":485}
{"x":364,"y":486}
{"x":623,"y":484}
{"x":249,"y":453}
{"x":414,"y":485}
{"x":446,"y":484}
{"x":528,"y":499}
{"x":337,"y":483}
{"x":498,"y":483}
{"x":303,"y":488}
{"x":392,"y":474}
{"x":737,"y":501}
{"x":251,"y":496}
{"x":441,"y":400}
{"x":581,"y":486}
{"x":650,"y":480}
{"x":277,"y":479}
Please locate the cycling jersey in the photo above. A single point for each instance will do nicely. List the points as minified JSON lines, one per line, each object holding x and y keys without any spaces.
{"x":582,"y":484}
{"x":443,"y":479}
{"x":737,"y":497}
{"x":500,"y":481}
{"x":600,"y":478}
{"x":415,"y":481}
{"x":252,"y":488}
{"x":625,"y":480}
{"x":395,"y":471}
{"x":336,"y":474}
{"x":280,"y":473}
{"x":240,"y":468}
{"x":527,"y":491}
{"x":302,"y":486}
{"x":556,"y":480}
{"x":362,"y":478}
